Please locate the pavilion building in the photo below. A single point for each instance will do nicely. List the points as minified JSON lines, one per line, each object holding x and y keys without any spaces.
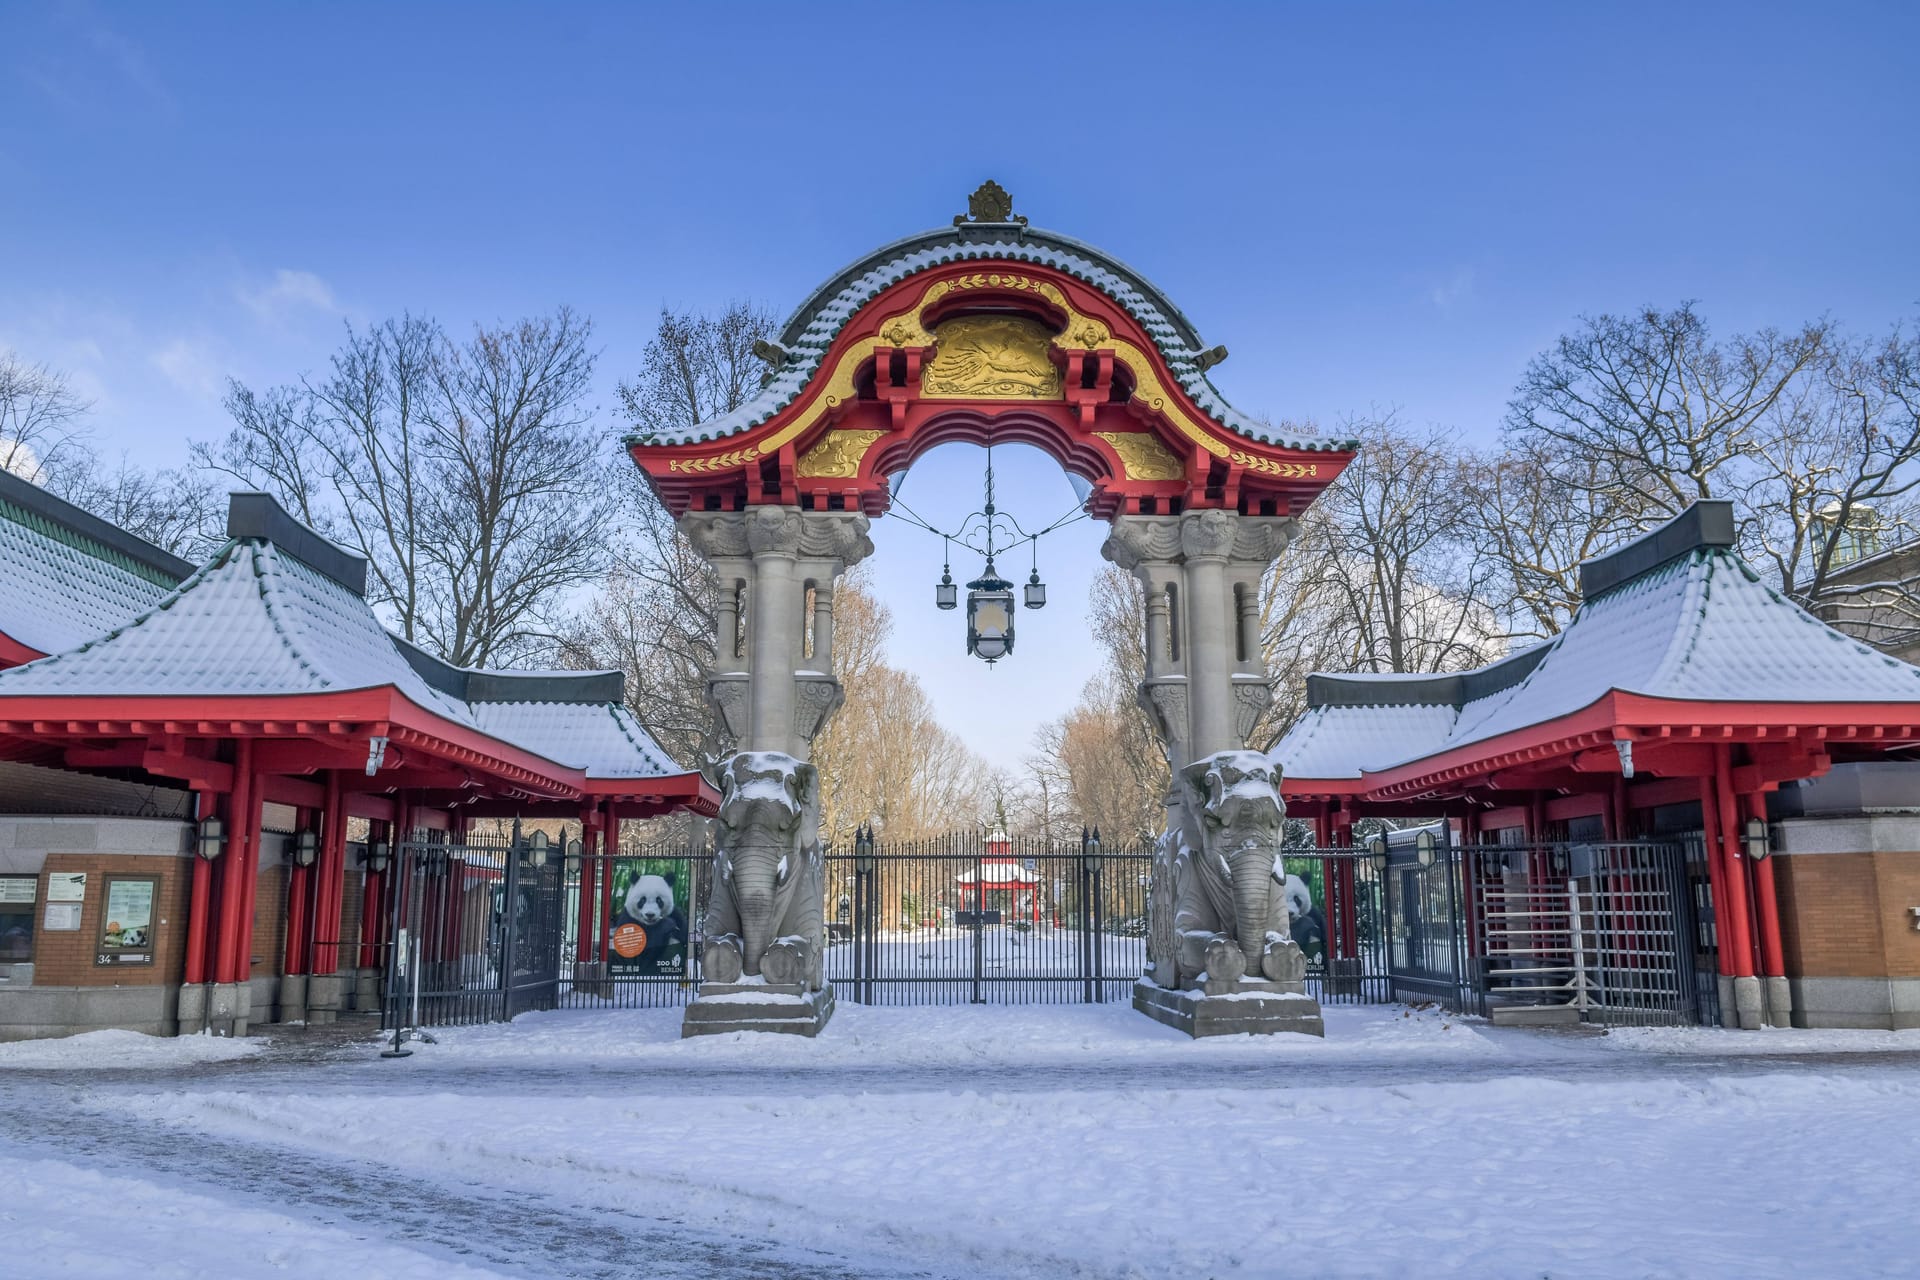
{"x":185,"y":752}
{"x":1686,"y":702}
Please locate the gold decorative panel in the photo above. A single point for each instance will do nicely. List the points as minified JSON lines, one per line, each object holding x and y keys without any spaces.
{"x":837,"y":455}
{"x":991,"y":357}
{"x":1143,"y":456}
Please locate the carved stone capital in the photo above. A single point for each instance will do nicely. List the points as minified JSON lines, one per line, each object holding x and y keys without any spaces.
{"x":815,"y":699}
{"x":716,"y":535}
{"x":1165,"y":702}
{"x":773,"y":530}
{"x":1207,"y":535}
{"x":1251,"y":698}
{"x":1136,"y":540}
{"x":727,"y":694}
{"x":1261,"y":539}
{"x":779,"y":531}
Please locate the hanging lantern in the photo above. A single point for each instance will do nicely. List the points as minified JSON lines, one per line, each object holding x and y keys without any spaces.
{"x":990,"y":616}
{"x":945,"y":594}
{"x":1036,"y":592}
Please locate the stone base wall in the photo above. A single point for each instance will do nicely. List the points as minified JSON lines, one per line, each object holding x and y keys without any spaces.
{"x":30,"y":1013}
{"x":1848,"y":887}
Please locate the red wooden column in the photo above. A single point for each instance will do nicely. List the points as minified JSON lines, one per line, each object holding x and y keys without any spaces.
{"x":589,"y":884}
{"x":371,"y":917}
{"x":294,"y":956}
{"x":1346,"y":928}
{"x":1773,"y":962}
{"x":606,"y":890}
{"x":330,"y":880}
{"x":200,"y":897}
{"x":239,"y":874}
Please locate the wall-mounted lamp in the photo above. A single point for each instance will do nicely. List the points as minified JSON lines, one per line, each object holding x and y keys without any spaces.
{"x":212,"y":841}
{"x":1753,"y":837}
{"x":306,"y":847}
{"x":1377,"y":848}
{"x":376,"y":855}
{"x":537,"y":845}
{"x":1423,"y":844}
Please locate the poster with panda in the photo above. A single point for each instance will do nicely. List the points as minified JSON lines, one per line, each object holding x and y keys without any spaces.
{"x":650,"y":898}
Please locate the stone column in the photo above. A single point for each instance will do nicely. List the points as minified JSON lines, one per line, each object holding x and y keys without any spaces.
{"x":1206,"y":539}
{"x":1206,"y":696}
{"x":774,"y":699}
{"x":764,"y":949}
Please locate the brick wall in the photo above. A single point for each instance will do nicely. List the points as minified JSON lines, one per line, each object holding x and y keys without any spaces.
{"x":269,"y":923}
{"x":66,"y":959}
{"x":1845,"y":915}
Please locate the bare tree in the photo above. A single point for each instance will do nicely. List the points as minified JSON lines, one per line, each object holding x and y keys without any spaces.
{"x":1401,"y":586}
{"x":697,"y":367}
{"x":41,"y":421}
{"x":1660,"y":409}
{"x":180,"y":511}
{"x":468,"y":474}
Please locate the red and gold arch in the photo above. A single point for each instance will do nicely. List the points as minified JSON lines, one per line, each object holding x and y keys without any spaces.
{"x":994,"y":349}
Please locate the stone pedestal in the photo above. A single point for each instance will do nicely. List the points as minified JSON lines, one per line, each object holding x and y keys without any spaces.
{"x":293,"y":998}
{"x":366,"y":990}
{"x":324,"y":991}
{"x":191,"y":1011}
{"x":788,"y":1009}
{"x":229,"y":1007}
{"x":1255,"y":1007}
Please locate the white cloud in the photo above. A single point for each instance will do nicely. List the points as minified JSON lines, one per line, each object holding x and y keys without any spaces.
{"x":289,"y":292}
{"x":190,"y":365}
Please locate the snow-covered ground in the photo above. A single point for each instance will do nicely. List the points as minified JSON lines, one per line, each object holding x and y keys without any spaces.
{"x":123,"y":1050}
{"x":1028,"y":1141}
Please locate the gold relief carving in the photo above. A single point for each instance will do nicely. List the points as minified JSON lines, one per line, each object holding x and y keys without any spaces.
{"x":837,"y":455}
{"x":991,"y":357}
{"x":718,"y":462}
{"x":1273,"y":467}
{"x":906,"y":330}
{"x":1143,"y":456}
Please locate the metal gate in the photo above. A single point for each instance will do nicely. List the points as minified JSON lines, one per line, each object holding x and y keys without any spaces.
{"x":474,"y":928}
{"x":1601,"y":933}
{"x":972,"y":919}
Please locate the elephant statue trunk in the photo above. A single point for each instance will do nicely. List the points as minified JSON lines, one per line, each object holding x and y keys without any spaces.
{"x":1253,"y":889}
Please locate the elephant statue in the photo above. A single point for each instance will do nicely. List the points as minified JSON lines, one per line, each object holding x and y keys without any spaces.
{"x":767,"y":914}
{"x":1229,"y":916}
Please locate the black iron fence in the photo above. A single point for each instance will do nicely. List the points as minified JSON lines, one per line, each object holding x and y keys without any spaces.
{"x":474,"y":931}
{"x":488,"y":928}
{"x":969,"y":918}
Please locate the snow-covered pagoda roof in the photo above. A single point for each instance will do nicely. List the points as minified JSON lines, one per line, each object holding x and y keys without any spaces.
{"x":810,"y":332}
{"x":280,"y":613}
{"x":1674,"y":617}
{"x":69,"y":575}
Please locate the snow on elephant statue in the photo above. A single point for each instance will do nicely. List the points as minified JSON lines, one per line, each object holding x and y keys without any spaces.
{"x":1216,"y":880}
{"x":767,"y":913}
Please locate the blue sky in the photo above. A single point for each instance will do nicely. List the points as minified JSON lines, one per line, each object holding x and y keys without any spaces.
{"x":1371,"y":205}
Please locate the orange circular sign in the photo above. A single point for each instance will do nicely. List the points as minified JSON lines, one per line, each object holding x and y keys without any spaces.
{"x":629,"y":940}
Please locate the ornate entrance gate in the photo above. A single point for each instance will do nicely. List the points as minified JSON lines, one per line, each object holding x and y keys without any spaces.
{"x":968,"y":919}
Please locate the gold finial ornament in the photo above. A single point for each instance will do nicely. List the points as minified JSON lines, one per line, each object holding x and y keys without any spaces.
{"x":990,"y":203}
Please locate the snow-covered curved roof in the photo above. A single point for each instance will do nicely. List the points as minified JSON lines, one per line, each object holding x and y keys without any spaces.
{"x":1676,"y":615}
{"x":277,"y":613}
{"x":68,"y":575}
{"x":812,"y":329}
